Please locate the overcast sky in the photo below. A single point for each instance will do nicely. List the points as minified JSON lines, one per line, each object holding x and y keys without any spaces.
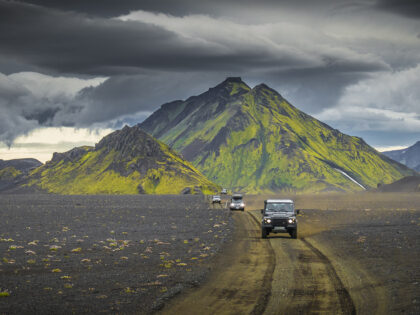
{"x":71,"y":71}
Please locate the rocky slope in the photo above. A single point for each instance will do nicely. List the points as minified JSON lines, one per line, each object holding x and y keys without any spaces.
{"x":127,"y":161}
{"x":409,"y":157}
{"x":253,"y":140}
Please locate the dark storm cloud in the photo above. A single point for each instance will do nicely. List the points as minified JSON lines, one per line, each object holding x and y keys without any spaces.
{"x":312,"y":91}
{"x":119,"y":100}
{"x":67,"y":42}
{"x":409,"y":8}
{"x":74,"y":43}
{"x":112,"y":8}
{"x":311,"y":52}
{"x":12,"y":120}
{"x":123,"y":95}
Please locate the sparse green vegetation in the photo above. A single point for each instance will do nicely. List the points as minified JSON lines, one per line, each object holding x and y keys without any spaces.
{"x":112,"y":249}
{"x":111,"y":169}
{"x":259,"y":143}
{"x":9,"y":173}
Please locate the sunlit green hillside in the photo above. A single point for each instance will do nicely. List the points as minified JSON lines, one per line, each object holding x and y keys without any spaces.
{"x":253,"y":140}
{"x":127,"y":161}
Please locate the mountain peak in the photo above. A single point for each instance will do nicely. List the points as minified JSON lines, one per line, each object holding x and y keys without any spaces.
{"x":233,"y":86}
{"x":264,"y":87}
{"x":130,"y":142}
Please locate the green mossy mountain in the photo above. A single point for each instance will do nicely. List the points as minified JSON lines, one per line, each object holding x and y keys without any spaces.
{"x":253,"y":140}
{"x":127,"y":161}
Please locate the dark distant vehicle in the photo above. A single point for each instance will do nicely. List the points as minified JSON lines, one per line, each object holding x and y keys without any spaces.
{"x":224,"y":191}
{"x":216,"y":199}
{"x":279,"y":216}
{"x":237,"y":202}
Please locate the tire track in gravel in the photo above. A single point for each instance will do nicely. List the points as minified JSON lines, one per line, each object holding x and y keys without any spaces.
{"x":241,"y":281}
{"x":346,"y":302}
{"x":304,"y":280}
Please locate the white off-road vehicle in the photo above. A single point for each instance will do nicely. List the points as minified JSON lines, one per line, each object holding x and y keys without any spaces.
{"x":216,"y":199}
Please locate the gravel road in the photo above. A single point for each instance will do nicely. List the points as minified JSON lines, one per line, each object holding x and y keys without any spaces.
{"x":361,"y":259}
{"x":104,"y":254}
{"x":240,"y":283}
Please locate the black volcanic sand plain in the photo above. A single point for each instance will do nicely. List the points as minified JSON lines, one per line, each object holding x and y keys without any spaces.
{"x":104,"y":254}
{"x":356,"y":253}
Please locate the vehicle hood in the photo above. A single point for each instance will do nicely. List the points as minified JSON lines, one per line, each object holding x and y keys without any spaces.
{"x":279,"y":214}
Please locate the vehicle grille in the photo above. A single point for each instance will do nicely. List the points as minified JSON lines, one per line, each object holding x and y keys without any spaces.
{"x":279,"y":222}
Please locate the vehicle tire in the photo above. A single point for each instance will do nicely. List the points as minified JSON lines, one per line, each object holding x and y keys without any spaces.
{"x":263,"y":233}
{"x":293,"y":234}
{"x":243,"y":209}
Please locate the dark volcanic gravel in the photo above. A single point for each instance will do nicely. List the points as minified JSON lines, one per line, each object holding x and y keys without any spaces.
{"x":94,"y":254}
{"x":385,"y":242}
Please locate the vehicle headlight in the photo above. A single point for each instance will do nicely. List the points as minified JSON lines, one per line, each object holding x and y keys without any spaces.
{"x":242,"y":204}
{"x":267,"y":220}
{"x":292,"y":220}
{"x":232,"y":204}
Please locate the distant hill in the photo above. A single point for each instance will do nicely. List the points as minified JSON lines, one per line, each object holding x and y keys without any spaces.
{"x":13,"y":172}
{"x":127,"y":161}
{"x":253,"y":140}
{"x":22,"y":165}
{"x":406,"y":184}
{"x":409,"y":156}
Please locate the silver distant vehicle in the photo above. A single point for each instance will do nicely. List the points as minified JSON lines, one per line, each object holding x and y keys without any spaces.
{"x":279,"y":216}
{"x":237,"y":202}
{"x":216,"y":199}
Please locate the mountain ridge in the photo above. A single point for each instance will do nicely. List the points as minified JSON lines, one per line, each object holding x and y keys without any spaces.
{"x":14,"y":172}
{"x":409,"y":156}
{"x":127,"y":161}
{"x":255,"y":141}
{"x":405,"y":184}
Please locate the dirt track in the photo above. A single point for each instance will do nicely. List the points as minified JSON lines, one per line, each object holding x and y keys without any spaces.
{"x":344,"y":262}
{"x":304,"y":281}
{"x":241,"y":282}
{"x":283,"y":276}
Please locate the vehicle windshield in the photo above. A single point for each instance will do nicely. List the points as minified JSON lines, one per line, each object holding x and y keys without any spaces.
{"x":279,"y":207}
{"x":237,"y":199}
